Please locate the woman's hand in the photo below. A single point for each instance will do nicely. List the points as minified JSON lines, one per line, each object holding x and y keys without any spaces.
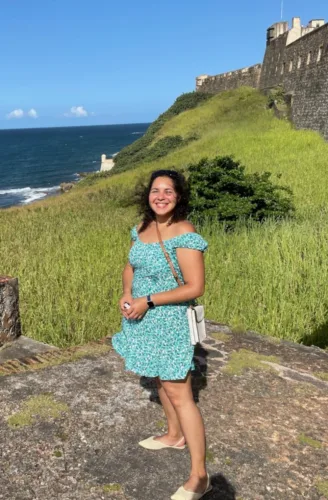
{"x":138,"y":308}
{"x":127,"y":297}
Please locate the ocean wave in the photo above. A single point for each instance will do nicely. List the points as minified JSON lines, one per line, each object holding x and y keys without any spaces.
{"x":137,"y":133}
{"x":27,"y":194}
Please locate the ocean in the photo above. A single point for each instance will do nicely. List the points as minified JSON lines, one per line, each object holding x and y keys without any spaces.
{"x":33,"y":162}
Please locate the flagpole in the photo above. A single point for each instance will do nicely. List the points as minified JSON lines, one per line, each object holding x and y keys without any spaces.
{"x":282,"y":9}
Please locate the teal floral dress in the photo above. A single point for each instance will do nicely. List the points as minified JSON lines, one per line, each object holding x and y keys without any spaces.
{"x":158,"y":344}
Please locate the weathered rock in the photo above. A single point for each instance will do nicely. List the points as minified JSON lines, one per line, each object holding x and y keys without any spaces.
{"x":66,"y":186}
{"x":266,"y":428}
{"x":10,"y":325}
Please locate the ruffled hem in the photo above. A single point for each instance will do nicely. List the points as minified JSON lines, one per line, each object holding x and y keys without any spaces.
{"x":154,"y":372}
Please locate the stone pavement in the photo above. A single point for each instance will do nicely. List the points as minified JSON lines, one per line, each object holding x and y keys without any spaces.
{"x":70,"y":432}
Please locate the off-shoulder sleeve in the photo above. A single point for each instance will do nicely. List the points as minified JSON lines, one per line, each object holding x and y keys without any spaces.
{"x":191,"y":240}
{"x":134,"y":233}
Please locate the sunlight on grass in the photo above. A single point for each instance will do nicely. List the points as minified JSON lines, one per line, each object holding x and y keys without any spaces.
{"x":69,"y":251}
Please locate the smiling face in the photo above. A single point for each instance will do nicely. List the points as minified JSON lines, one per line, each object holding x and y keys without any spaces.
{"x":162,"y":197}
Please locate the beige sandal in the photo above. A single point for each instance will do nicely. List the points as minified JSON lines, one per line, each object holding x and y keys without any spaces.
{"x":153,"y":444}
{"x":183,"y":494}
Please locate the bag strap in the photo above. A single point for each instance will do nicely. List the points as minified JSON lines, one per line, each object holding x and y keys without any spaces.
{"x":175,"y":274}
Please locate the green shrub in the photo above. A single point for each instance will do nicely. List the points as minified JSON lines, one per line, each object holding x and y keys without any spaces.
{"x":135,"y":153}
{"x":164,"y":146}
{"x":220,"y":190}
{"x":276,"y":96}
{"x":190,"y":100}
{"x":280,"y":103}
{"x":161,"y":148}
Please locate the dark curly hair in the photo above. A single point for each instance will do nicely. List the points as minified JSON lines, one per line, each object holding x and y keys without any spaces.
{"x":181,"y":187}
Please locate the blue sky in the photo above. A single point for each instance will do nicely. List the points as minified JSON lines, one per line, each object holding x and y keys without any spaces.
{"x":68,"y":62}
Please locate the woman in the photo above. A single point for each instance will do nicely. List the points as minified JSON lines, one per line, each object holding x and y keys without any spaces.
{"x":155,"y":338}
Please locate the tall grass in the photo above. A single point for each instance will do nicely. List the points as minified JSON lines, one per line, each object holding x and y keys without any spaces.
{"x":68,"y":252}
{"x":69,"y":261}
{"x":271,"y":278}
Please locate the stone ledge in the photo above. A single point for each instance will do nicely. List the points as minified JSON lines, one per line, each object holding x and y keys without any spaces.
{"x":26,"y":354}
{"x":21,"y":348}
{"x":266,"y":427}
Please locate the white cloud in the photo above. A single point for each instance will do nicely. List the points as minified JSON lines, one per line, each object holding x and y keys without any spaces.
{"x":16,"y":113}
{"x":77,"y":111}
{"x":32,"y":113}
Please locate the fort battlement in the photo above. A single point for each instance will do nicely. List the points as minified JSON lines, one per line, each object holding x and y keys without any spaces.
{"x":106,"y":163}
{"x":249,"y":76}
{"x":296,"y":58}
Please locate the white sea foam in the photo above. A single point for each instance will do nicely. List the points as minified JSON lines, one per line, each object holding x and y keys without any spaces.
{"x":27,"y":194}
{"x":137,"y":133}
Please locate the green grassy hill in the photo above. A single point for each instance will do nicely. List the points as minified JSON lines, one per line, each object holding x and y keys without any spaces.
{"x":69,"y":251}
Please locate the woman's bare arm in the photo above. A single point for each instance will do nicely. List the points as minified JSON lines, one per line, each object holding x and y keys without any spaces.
{"x":191,"y":263}
{"x":127,"y":277}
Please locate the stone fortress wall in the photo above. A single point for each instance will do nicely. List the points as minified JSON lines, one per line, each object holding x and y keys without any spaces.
{"x":249,"y":77}
{"x":106,"y":163}
{"x":297,"y":60}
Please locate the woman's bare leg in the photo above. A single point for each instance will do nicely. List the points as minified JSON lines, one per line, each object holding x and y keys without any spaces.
{"x":180,"y":395}
{"x":174,"y":432}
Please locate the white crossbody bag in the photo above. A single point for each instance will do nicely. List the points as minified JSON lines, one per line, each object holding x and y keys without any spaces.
{"x":195,"y":313}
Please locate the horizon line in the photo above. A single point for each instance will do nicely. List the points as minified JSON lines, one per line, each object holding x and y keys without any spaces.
{"x":77,"y":126}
